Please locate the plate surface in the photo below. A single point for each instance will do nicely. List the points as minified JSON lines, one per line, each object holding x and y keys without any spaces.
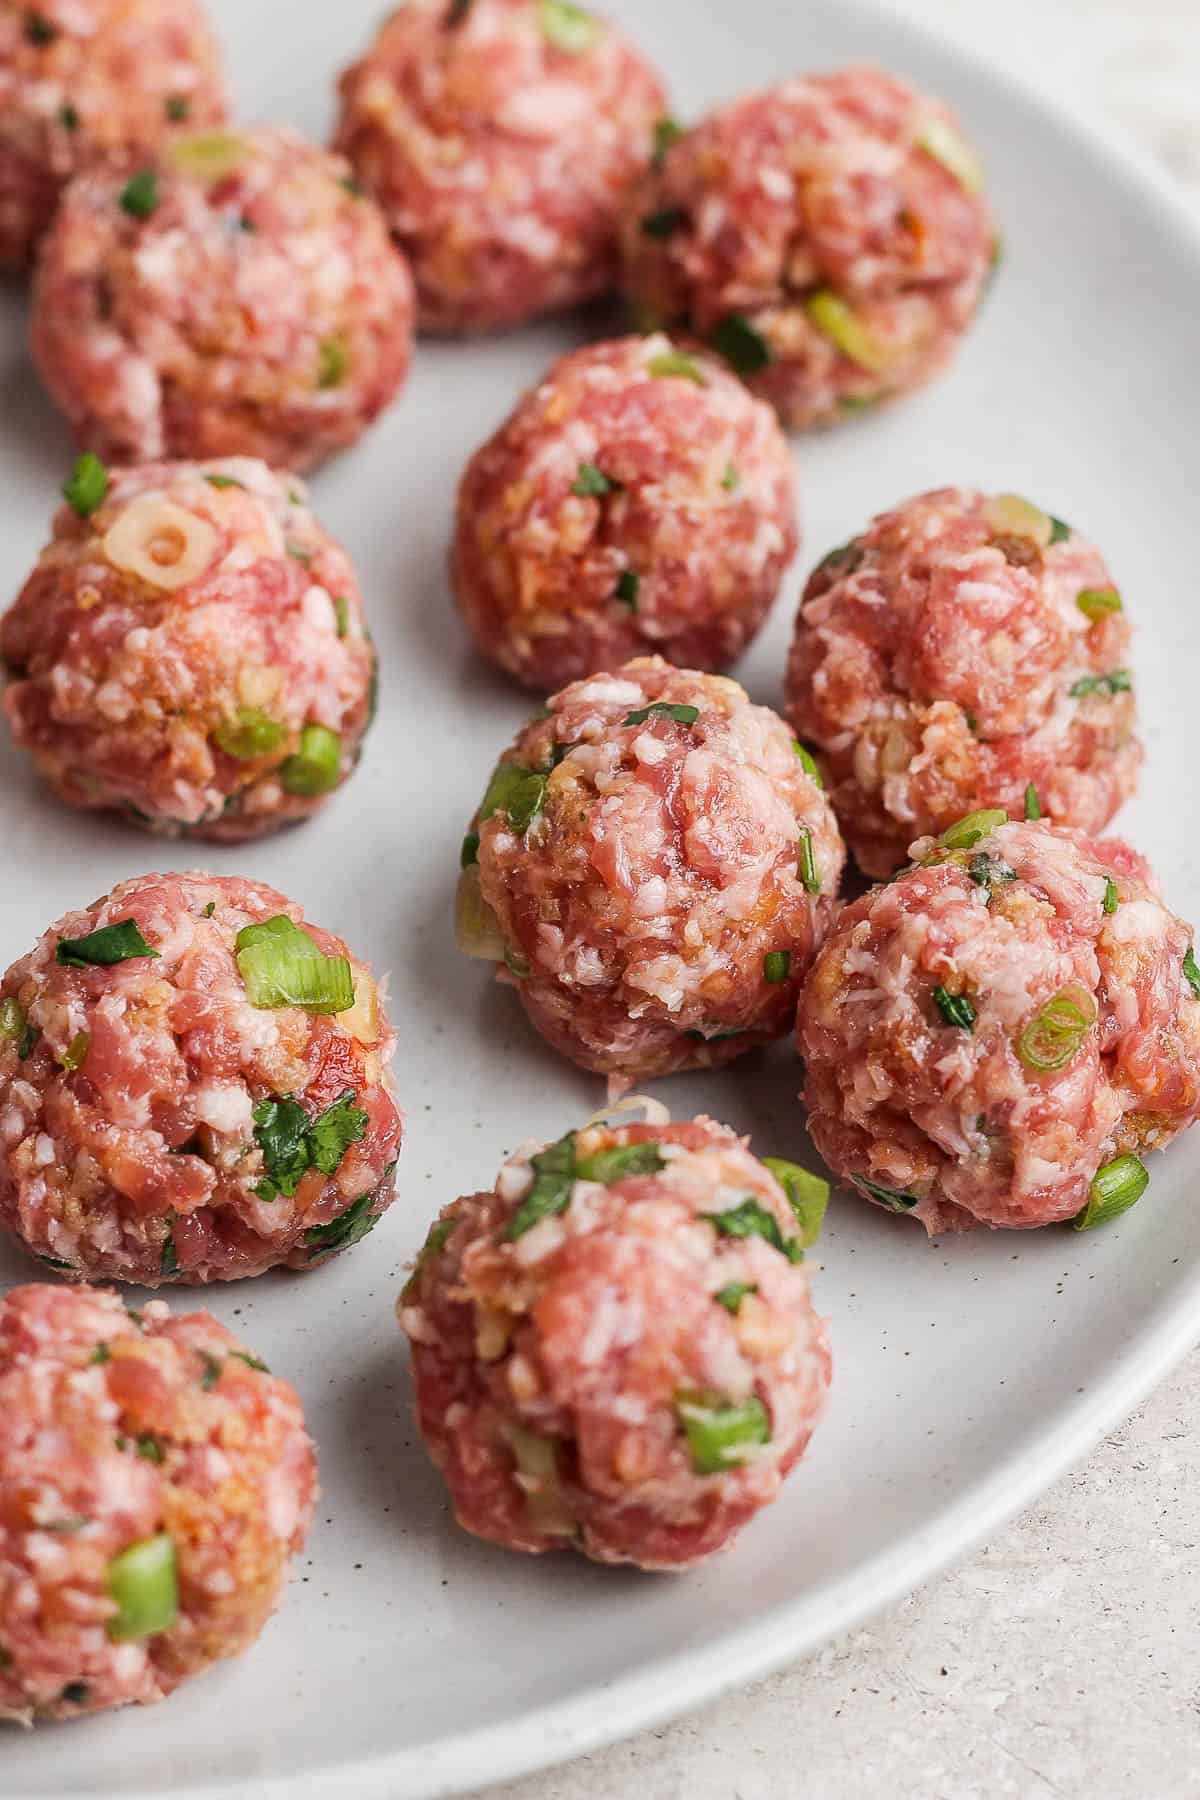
{"x":410,"y":1661}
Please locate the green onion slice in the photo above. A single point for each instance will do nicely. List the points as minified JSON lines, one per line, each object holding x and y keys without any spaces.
{"x":896,"y":1200}
{"x":745,"y":350}
{"x":682,"y":715}
{"x":86,"y":485}
{"x":469,"y":854}
{"x":341,"y":613}
{"x":282,"y":966}
{"x":776,"y":964}
{"x":674,"y":362}
{"x":333,"y":360}
{"x":75,"y":1054}
{"x":807,"y":1195}
{"x":567,"y":27}
{"x":315,"y":766}
{"x":810,"y":875}
{"x":626,"y":590}
{"x":1112,"y":900}
{"x":1053,"y":1036}
{"x":666,"y":132}
{"x":143,"y":1584}
{"x":1191,"y":972}
{"x":939,"y":139}
{"x":249,"y":734}
{"x":620,"y":1163}
{"x":139,"y":196}
{"x":1116,"y":1187}
{"x":1117,"y":681}
{"x":117,"y":943}
{"x":965,"y":833}
{"x":731,"y":480}
{"x":839,"y":323}
{"x":721,"y":1434}
{"x":733,"y":1293}
{"x":1033,"y":806}
{"x":224,"y":481}
{"x":1093,"y":603}
{"x":12,"y":1017}
{"x":956,"y":1009}
{"x":751,"y":1219}
{"x":590,"y":483}
{"x":554,"y":1175}
{"x":517,"y":791}
{"x":808,"y":762}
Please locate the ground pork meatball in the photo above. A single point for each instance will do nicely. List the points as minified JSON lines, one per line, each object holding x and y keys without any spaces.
{"x":638,"y":499}
{"x":966,"y":651}
{"x":190,"y":650}
{"x":155,"y":1480}
{"x":92,"y":81}
{"x":829,"y":237}
{"x":237,"y":297}
{"x":655,"y":865}
{"x":193,"y":1087}
{"x":499,"y":136}
{"x":995,"y":1036}
{"x":615,"y":1350}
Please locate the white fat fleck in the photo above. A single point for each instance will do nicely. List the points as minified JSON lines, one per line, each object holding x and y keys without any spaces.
{"x":514,"y":1181}
{"x":651,"y":898}
{"x":283,"y":1504}
{"x":416,"y":1326}
{"x":318,"y":609}
{"x":649,"y":749}
{"x":543,"y":1240}
{"x":43,"y":1150}
{"x":223,"y":1105}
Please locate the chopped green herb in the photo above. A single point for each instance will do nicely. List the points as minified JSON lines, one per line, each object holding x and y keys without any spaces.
{"x":665,"y":223}
{"x":1060,"y":531}
{"x":469,"y":854}
{"x":751,"y":1219}
{"x":627,"y":588}
{"x":292,"y":1143}
{"x":178,"y":107}
{"x":251,"y":733}
{"x":148,"y":1447}
{"x":169,"y":1261}
{"x":252,"y":1362}
{"x":956,"y":1009}
{"x":315,"y":767}
{"x":1093,"y":603}
{"x":675,"y":363}
{"x":143,"y":1583}
{"x":139,"y":196}
{"x":721,"y":1434}
{"x":807,"y":1195}
{"x":333,"y":360}
{"x":75,"y":1054}
{"x":731,"y":480}
{"x":373,"y":690}
{"x":210,"y":909}
{"x":776,"y":964}
{"x":341,"y":612}
{"x":436,"y":1239}
{"x":591,"y":482}
{"x":75,"y":1693}
{"x":1033,"y":806}
{"x":1116,"y":1187}
{"x":844,"y":560}
{"x":567,"y":27}
{"x":211,"y":1370}
{"x":808,"y":762}
{"x":101,"y":1354}
{"x":894,"y":1199}
{"x":298,"y":553}
{"x":554,"y":1174}
{"x":224,"y":481}
{"x":517,"y":791}
{"x":666,"y":132}
{"x":282,"y":966}
{"x":86,"y":485}
{"x":810,"y":875}
{"x":1118,"y":681}
{"x":682,"y":715}
{"x":1191,"y":972}
{"x":745,"y":350}
{"x":39,"y":30}
{"x":68,"y":117}
{"x":989,"y":871}
{"x":619,"y":1163}
{"x":68,"y":1527}
{"x":51,"y":1262}
{"x":116,"y":943}
{"x":348,"y":1229}
{"x":1053,"y":1036}
{"x":965,"y":833}
{"x":733,"y":1293}
{"x":1111,"y":901}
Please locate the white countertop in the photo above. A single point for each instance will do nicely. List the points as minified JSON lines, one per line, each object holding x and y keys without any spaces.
{"x":1061,"y":1661}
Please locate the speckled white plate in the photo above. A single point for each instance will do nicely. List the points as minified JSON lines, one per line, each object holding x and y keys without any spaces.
{"x":408,"y":1660}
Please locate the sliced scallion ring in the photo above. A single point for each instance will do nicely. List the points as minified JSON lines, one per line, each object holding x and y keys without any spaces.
{"x":282,"y":966}
{"x":315,"y":766}
{"x":965,"y":833}
{"x":721,"y":1434}
{"x":1053,"y":1036}
{"x":143,"y":1584}
{"x":1116,"y":1187}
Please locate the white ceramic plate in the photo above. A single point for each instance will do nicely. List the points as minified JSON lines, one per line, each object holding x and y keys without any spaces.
{"x":409,"y":1660}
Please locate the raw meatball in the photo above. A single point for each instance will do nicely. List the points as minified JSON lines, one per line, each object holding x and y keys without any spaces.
{"x":499,"y":136}
{"x":92,"y":81}
{"x":237,"y":297}
{"x":656,"y":866}
{"x":155,"y":1480}
{"x":190,"y":650}
{"x":994,"y":1037}
{"x":615,"y":1350}
{"x":192,"y":1087}
{"x":966,"y":651}
{"x":638,"y":499}
{"x":829,"y":237}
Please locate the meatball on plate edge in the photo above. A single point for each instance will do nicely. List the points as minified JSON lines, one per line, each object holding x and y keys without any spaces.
{"x":412,"y":1658}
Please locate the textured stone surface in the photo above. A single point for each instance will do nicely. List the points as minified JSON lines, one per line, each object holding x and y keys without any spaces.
{"x":1063,"y":1660}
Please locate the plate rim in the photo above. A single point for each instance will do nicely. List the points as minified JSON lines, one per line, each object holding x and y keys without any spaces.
{"x":682,"y":1680}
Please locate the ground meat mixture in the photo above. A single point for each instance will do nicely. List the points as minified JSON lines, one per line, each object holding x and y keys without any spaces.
{"x":190,"y":650}
{"x":637,"y":499}
{"x":997,"y":1035}
{"x":88,"y":81}
{"x":655,"y":864}
{"x":499,"y":137}
{"x":155,"y":1480}
{"x":966,"y":651}
{"x":828,"y":236}
{"x":615,"y":1350}
{"x":236,"y":296}
{"x":193,"y":1087}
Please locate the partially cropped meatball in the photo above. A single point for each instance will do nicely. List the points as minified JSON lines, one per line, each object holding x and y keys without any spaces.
{"x":637,"y":499}
{"x":190,"y":650}
{"x":996,"y":1036}
{"x":829,"y":237}
{"x":194,"y":1087}
{"x":499,"y":137}
{"x":655,"y":865}
{"x":615,"y":1350}
{"x":966,"y":651}
{"x":155,"y":1481}
{"x":86,"y":81}
{"x":238,"y":295}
